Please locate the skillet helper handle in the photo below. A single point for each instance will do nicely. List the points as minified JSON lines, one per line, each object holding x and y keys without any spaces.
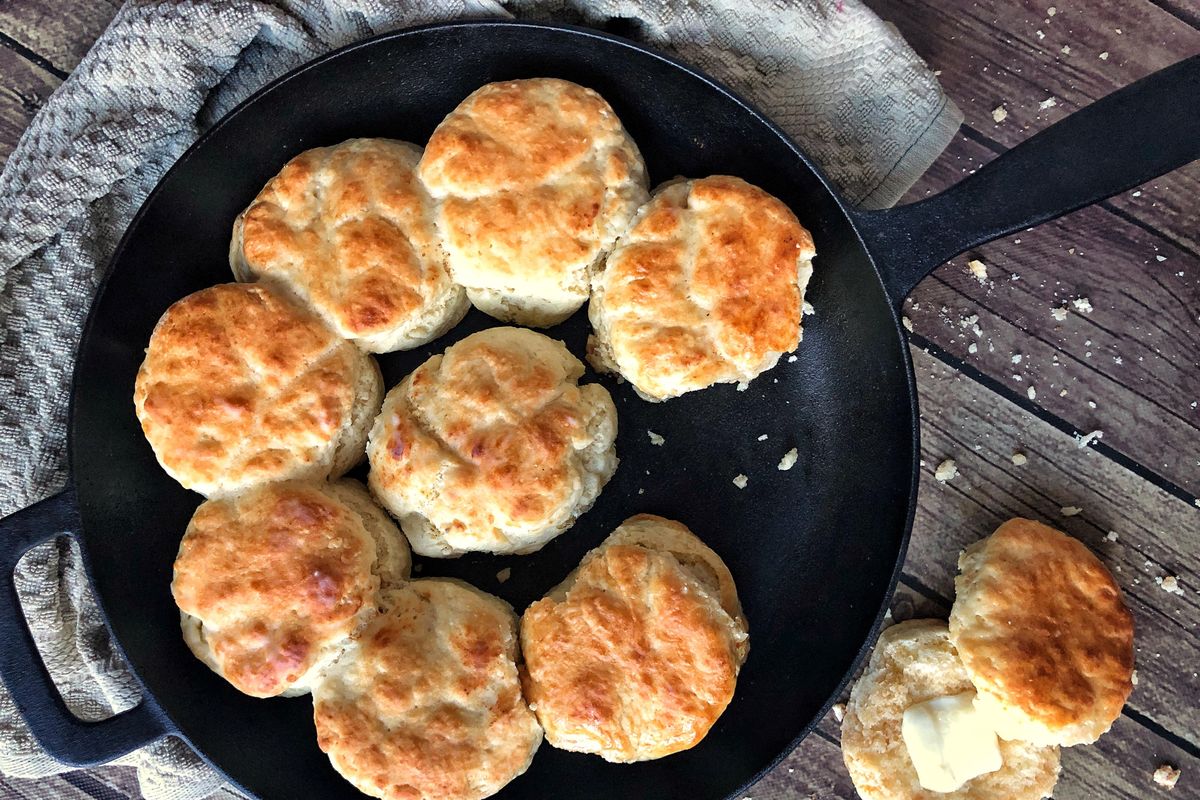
{"x":61,"y":734}
{"x":1125,"y":139}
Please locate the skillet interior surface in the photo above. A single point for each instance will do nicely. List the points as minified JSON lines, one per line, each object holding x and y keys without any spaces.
{"x":813,"y":549}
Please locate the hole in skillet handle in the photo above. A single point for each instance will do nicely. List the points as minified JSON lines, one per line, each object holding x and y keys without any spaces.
{"x":63,"y":736}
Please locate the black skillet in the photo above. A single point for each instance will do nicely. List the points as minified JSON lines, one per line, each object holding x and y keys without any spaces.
{"x":815,"y":550}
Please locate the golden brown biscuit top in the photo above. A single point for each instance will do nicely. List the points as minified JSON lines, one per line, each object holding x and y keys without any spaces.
{"x":1040,"y":624}
{"x":350,"y":229}
{"x":487,"y":435}
{"x":705,"y":287}
{"x":635,"y":661}
{"x":535,"y":178}
{"x":240,"y":386}
{"x":427,"y":704}
{"x":275,"y":576}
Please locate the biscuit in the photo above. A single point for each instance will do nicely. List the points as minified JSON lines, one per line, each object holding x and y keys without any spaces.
{"x":241,"y":386}
{"x":272,"y":584}
{"x":492,"y":446}
{"x":914,"y":662}
{"x":707,"y":286}
{"x":426,"y":704}
{"x":636,"y":654}
{"x":349,"y":231}
{"x":1041,"y":627}
{"x":534,"y":180}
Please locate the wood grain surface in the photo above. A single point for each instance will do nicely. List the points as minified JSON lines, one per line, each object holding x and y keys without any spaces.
{"x":1127,"y":367}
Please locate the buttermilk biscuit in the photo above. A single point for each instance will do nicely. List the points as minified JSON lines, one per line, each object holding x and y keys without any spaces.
{"x":535,"y":179}
{"x":1041,"y":627}
{"x":914,"y":662}
{"x":636,"y":654}
{"x":705,"y":287}
{"x":272,"y":584}
{"x":349,"y":231}
{"x":240,"y":386}
{"x":426,"y":704}
{"x":492,"y":446}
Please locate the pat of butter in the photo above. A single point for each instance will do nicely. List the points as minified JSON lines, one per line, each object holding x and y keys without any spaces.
{"x":949,"y":742}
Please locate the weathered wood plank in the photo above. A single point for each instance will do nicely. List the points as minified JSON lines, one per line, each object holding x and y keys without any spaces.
{"x":1002,"y":53}
{"x":24,"y":87}
{"x":59,"y":32}
{"x":1157,"y":534}
{"x":1135,"y":356}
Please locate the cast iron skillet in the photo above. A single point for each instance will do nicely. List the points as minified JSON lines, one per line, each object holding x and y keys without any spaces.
{"x":815,"y":551}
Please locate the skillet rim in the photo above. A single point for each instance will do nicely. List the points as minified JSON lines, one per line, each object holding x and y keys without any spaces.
{"x":171,"y":728}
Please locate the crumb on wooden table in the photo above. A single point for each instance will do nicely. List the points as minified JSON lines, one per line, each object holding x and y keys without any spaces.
{"x":978,"y":269}
{"x":1167,"y":776}
{"x":1169,"y":583}
{"x":1019,"y":459}
{"x":1070,"y":511}
{"x":1082,"y":305}
{"x":839,"y":711}
{"x":999,"y":113}
{"x":947,"y":470}
{"x":1059,"y":314}
{"x":1083,"y":440}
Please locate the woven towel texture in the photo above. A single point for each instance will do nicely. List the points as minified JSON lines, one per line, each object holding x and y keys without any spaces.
{"x":831,"y":74}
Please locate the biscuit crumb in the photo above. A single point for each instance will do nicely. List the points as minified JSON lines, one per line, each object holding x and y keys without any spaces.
{"x":1051,"y":11}
{"x":1066,"y":50}
{"x":907,"y":323}
{"x":999,"y":113}
{"x":1083,"y":440}
{"x":1104,"y":56}
{"x":1112,"y":536}
{"x":1167,"y":776}
{"x":1170,"y":583}
{"x":1059,"y":314}
{"x":743,"y":386}
{"x":762,"y":438}
{"x":740,"y":481}
{"x":807,"y":309}
{"x":655,"y":439}
{"x":978,"y":269}
{"x":1070,"y":511}
{"x":792,"y":359}
{"x":1031,"y":393}
{"x":1082,"y":305}
{"x":947,"y":470}
{"x":789,"y":460}
{"x":972,"y":348}
{"x":504,"y":574}
{"x":1133,"y":678}
{"x":1019,"y":459}
{"x":1160,"y":258}
{"x":839,"y":711}
{"x":1016,"y":359}
{"x":1049,"y":102}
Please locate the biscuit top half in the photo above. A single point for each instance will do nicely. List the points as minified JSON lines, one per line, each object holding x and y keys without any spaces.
{"x":1040,"y":625}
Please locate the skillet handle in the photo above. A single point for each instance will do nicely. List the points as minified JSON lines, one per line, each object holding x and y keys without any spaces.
{"x":1125,"y":139}
{"x":61,"y":734}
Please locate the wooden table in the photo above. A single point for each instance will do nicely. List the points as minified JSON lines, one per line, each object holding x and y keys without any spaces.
{"x":1016,"y":379}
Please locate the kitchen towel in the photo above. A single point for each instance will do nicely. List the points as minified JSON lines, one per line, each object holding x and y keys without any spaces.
{"x":835,"y":77}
